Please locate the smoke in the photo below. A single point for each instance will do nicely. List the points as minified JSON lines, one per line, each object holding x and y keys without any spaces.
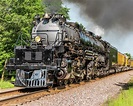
{"x":112,"y":18}
{"x":52,"y":6}
{"x":108,"y":14}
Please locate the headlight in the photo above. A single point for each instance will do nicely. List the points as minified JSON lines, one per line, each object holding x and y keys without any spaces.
{"x":37,"y":38}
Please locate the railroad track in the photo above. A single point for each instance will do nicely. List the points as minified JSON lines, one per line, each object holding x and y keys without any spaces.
{"x":10,"y":94}
{"x":20,"y":96}
{"x":13,"y":98}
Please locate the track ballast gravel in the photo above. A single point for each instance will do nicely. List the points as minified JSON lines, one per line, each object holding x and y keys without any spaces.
{"x":94,"y":93}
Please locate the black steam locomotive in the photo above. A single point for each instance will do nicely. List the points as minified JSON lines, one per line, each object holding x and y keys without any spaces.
{"x":60,"y":52}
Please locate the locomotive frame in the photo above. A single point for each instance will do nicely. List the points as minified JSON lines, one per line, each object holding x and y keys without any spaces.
{"x":60,"y":52}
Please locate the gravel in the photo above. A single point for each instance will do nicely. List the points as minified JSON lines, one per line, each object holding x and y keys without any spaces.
{"x":94,"y":93}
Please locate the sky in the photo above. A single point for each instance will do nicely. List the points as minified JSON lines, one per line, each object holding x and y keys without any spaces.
{"x":117,"y":37}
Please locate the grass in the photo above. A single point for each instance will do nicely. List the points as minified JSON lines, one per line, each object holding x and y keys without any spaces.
{"x":6,"y":84}
{"x":125,"y":98}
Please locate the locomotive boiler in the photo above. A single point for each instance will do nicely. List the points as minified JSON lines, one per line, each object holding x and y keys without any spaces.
{"x":60,"y":52}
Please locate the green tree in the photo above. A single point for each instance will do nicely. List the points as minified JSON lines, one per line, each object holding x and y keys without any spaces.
{"x":80,"y":26}
{"x":16,"y":18}
{"x":64,"y":11}
{"x":128,"y":55}
{"x":55,"y":6}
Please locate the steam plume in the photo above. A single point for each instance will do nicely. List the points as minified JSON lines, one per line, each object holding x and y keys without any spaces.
{"x":108,"y":14}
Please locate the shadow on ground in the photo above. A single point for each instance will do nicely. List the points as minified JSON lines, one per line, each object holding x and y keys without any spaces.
{"x":125,"y":86}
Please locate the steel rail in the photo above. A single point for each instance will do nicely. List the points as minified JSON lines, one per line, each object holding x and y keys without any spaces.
{"x":23,"y":98}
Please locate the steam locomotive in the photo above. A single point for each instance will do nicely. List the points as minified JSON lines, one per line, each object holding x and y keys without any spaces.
{"x":60,"y":52}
